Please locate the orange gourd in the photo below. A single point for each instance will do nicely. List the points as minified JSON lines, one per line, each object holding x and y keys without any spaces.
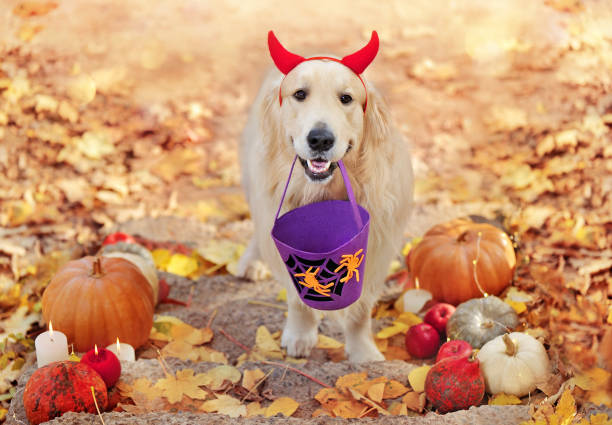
{"x":460,"y":260}
{"x":94,"y":300}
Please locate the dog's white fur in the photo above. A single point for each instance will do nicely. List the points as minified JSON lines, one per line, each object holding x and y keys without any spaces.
{"x":379,"y":168}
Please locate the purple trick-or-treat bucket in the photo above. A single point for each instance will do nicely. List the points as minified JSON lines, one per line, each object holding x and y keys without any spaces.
{"x":323,"y":246}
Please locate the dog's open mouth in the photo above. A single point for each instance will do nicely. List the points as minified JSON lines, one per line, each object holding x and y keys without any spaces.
{"x":318,"y":169}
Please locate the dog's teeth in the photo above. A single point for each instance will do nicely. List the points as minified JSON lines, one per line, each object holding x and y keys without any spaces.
{"x":318,"y":168}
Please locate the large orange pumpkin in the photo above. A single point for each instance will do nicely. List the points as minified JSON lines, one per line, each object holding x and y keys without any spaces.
{"x":460,"y":260}
{"x":94,"y":300}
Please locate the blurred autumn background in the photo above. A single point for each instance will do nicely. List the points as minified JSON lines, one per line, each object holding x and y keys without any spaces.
{"x":125,"y":113}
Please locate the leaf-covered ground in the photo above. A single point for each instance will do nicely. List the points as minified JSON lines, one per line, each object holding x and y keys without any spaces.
{"x":115,"y":112}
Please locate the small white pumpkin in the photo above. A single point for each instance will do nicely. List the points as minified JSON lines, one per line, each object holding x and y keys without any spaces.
{"x":513,"y":364}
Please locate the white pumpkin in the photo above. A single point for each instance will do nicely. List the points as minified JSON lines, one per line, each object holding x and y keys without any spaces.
{"x":513,"y":364}
{"x":139,"y":256}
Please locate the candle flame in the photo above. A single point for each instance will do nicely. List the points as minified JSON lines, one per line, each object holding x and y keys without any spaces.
{"x":118,"y":346}
{"x":96,"y":349}
{"x":50,"y":329}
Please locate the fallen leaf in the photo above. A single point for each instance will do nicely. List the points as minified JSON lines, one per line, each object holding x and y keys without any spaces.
{"x":255,"y":409}
{"x":327,"y":342}
{"x":415,"y":401}
{"x":395,"y":329}
{"x":376,"y":391}
{"x":283,"y":405}
{"x":349,"y":409}
{"x":181,"y":265}
{"x":417,"y":377}
{"x":217,"y":379}
{"x":226,"y":405}
{"x":394,"y":389}
{"x":266,"y":345}
{"x":183,"y":383}
{"x":251,"y":377}
{"x":504,"y":400}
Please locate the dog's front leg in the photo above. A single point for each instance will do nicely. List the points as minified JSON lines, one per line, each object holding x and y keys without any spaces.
{"x":301,"y":328}
{"x":250,"y":266}
{"x":360,"y":346}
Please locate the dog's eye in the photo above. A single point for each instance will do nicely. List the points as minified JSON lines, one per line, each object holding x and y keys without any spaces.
{"x":300,"y":95}
{"x":346,"y":99}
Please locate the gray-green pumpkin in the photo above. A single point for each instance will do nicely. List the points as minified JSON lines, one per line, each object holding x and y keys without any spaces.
{"x":479,"y":320}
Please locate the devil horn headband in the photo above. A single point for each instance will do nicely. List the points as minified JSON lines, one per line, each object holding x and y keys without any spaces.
{"x":285,"y":61}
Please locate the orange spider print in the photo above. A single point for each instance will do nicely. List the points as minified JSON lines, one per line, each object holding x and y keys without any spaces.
{"x":311,"y":281}
{"x":351,"y":262}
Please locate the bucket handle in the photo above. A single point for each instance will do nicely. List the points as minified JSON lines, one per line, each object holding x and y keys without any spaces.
{"x":349,"y":191}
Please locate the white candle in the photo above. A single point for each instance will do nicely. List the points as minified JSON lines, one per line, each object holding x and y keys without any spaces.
{"x":123,"y":351}
{"x":51,"y":346}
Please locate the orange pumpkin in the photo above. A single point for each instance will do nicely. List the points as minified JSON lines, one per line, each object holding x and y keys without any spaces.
{"x":460,"y":260}
{"x":94,"y":300}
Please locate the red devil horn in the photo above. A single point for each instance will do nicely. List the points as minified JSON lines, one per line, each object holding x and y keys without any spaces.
{"x":284,"y":60}
{"x":360,"y":60}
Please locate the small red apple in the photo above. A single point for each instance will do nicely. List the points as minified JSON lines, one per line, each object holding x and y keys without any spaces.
{"x":454,"y":348}
{"x":422,"y":341}
{"x":438,"y":315}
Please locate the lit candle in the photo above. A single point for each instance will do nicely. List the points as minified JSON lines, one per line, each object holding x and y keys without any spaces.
{"x":105,"y":363}
{"x":51,"y":346}
{"x":123,"y":351}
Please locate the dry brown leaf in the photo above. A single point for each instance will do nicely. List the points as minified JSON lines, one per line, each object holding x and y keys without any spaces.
{"x":367,"y":401}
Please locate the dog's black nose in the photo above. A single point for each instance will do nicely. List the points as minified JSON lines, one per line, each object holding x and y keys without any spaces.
{"x":320,"y":139}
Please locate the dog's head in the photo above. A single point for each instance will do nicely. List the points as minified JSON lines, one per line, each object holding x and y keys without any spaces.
{"x":323,"y":104}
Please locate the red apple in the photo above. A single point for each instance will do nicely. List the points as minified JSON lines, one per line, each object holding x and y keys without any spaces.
{"x":438,"y":315}
{"x":454,"y":348}
{"x":422,"y":341}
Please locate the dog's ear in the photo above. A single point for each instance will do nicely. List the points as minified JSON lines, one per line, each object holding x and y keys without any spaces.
{"x":377,"y":119}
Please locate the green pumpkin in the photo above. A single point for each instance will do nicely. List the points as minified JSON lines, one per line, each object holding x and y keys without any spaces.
{"x":479,"y":320}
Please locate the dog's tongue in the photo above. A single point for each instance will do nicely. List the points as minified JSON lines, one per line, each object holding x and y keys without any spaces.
{"x":318,"y":166}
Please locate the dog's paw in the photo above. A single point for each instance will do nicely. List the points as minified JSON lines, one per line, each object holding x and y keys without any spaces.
{"x":299,"y":342}
{"x":366,"y":352}
{"x":255,"y":270}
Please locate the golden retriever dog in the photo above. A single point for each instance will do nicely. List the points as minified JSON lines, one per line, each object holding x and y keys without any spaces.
{"x":319,"y":112}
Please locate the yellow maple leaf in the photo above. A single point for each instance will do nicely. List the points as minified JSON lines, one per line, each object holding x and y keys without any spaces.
{"x":181,"y":350}
{"x":184,"y":383}
{"x":146,"y":387}
{"x":222,"y":253}
{"x":251,"y":377}
{"x":504,"y":400}
{"x":417,"y":377}
{"x":284,"y":405}
{"x":593,"y":379}
{"x":327,"y":342}
{"x":184,"y":332}
{"x":226,"y":405}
